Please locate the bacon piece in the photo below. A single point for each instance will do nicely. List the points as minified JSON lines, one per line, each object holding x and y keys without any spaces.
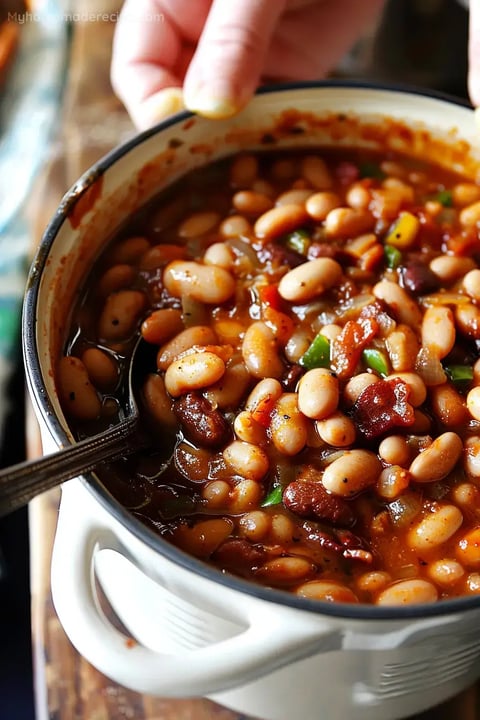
{"x":309,"y":499}
{"x":342,"y":542}
{"x":348,"y":346}
{"x":236,"y":554}
{"x":381,"y":407}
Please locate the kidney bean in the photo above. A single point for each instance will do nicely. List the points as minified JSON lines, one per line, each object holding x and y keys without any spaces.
{"x":418,"y":278}
{"x":203,"y":424}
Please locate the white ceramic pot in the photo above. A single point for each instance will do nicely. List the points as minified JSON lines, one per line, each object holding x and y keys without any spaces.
{"x":197,"y":632}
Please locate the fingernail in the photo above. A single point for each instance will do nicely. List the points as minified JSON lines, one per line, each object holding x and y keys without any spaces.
{"x":158,"y":107}
{"x":212,"y":101}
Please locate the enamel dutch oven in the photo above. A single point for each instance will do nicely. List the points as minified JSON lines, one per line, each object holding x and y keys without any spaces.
{"x":190,"y":630}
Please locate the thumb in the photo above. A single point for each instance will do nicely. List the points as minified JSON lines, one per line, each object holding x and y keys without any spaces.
{"x":474,"y":54}
{"x":228,"y":62}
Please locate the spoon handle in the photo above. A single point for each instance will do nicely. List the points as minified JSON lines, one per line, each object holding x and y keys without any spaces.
{"x":21,"y":483}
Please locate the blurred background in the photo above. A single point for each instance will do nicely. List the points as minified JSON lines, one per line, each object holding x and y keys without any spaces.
{"x":417,"y":42}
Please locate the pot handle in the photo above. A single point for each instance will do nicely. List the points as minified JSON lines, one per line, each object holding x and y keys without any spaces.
{"x":269,"y":642}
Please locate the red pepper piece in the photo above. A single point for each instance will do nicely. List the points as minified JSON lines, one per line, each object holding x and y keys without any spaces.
{"x":383,"y":406}
{"x":270,"y":297}
{"x":348,"y":345}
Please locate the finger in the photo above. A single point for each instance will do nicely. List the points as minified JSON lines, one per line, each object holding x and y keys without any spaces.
{"x":474,"y":54}
{"x":150,"y":56}
{"x":296,"y":52}
{"x":228,"y":63}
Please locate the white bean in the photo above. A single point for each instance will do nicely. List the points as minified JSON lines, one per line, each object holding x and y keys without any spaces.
{"x":309,"y":280}
{"x":352,"y":472}
{"x":438,"y":459}
{"x":289,"y":427}
{"x":404,"y":307}
{"x":248,"y":461}
{"x":435,"y":528}
{"x":318,"y":393}
{"x":260,"y":351}
{"x":408,"y":592}
{"x":207,"y":283}
{"x":193,"y":372}
{"x":438,"y":330}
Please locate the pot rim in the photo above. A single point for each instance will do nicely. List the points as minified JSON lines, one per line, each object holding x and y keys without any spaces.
{"x":143,"y":533}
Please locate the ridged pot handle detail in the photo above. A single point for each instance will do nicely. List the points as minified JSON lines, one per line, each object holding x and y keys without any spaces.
{"x":268,"y":642}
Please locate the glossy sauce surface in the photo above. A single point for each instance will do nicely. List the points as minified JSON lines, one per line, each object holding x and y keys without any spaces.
{"x":314,"y":403}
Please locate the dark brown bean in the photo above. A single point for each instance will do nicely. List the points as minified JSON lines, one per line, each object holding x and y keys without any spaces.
{"x":202,"y":423}
{"x":417,"y":278}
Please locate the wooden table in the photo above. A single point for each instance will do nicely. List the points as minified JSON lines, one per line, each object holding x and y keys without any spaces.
{"x":67,"y":687}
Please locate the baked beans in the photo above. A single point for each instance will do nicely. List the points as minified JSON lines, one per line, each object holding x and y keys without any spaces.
{"x":315,"y":402}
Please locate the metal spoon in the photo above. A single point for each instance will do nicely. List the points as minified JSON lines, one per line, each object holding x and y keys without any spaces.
{"x":21,"y":483}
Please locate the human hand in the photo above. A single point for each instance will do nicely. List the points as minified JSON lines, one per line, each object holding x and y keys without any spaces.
{"x":210,"y":55}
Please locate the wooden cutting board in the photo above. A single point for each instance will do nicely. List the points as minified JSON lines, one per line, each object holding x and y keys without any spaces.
{"x":67,"y":687}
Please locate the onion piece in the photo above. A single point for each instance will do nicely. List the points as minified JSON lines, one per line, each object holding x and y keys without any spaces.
{"x":404,"y":509}
{"x":429,"y":367}
{"x":444,"y":298}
